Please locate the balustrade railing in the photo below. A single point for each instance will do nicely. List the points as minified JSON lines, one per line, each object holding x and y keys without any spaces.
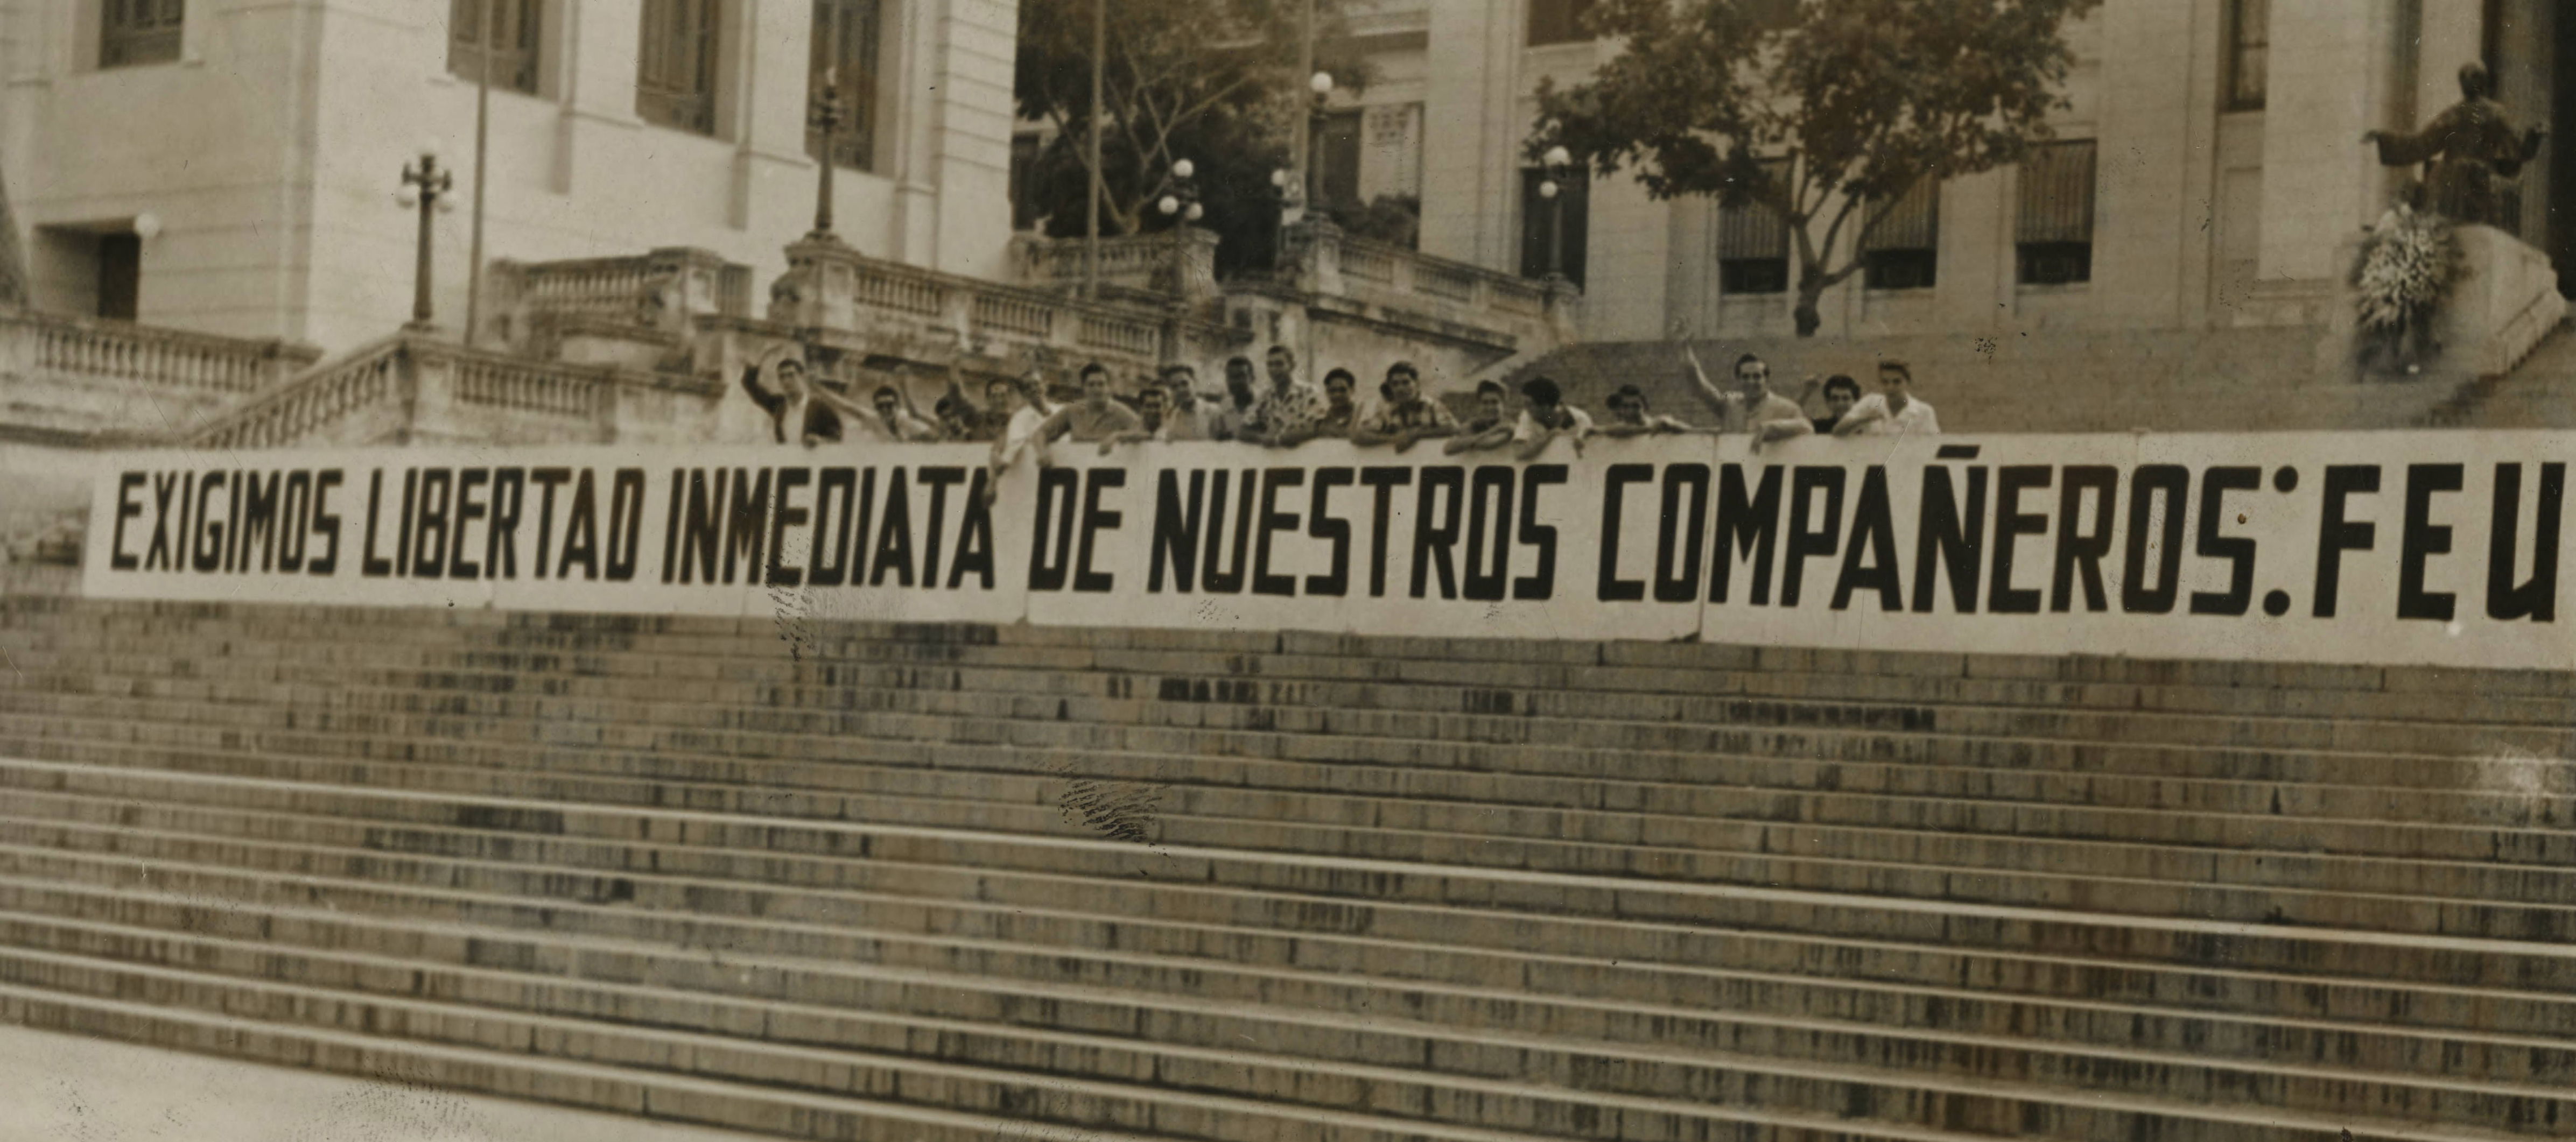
{"x":550,"y":390}
{"x":313,"y":402}
{"x":152,"y":356}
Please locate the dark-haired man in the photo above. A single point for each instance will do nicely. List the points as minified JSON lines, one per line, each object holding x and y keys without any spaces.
{"x":1287,"y":411}
{"x":1629,"y":416}
{"x":1750,"y":407}
{"x":1840,"y":392}
{"x":1891,"y":411}
{"x":1098,"y":418}
{"x":1491,"y":427}
{"x":1407,"y":416}
{"x":1547,"y":418}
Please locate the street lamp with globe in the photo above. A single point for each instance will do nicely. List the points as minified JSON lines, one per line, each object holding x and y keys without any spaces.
{"x":425,"y":187}
{"x":1182,"y":200}
{"x":1321,"y":83}
{"x":1552,"y":188}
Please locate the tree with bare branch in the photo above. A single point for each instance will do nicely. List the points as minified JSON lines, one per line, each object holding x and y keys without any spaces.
{"x":1866,"y":97}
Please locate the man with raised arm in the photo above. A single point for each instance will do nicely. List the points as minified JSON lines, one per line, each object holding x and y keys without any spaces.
{"x":1750,"y":407}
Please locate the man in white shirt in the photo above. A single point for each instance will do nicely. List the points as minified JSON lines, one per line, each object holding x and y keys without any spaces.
{"x":1893,"y":410}
{"x":1548,"y":417}
{"x":1750,"y":407}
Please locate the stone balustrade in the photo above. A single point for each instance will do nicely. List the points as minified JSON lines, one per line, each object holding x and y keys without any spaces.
{"x":53,"y":344}
{"x":653,"y":294}
{"x":412,"y":389}
{"x":1181,"y":263}
{"x":1318,"y":258}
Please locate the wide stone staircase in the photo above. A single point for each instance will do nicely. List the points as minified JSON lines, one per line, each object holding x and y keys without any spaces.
{"x":845,"y":881}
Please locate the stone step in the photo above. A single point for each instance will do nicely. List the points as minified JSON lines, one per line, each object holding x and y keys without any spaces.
{"x":697,"y":863}
{"x":1332,"y":1017}
{"x":1747,"y":787}
{"x":1063,"y":800}
{"x":1928,"y":866}
{"x":760,"y":637}
{"x":1636,"y":670}
{"x":1451,"y":1080}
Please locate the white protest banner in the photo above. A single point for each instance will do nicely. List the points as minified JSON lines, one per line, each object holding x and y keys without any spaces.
{"x":2367,"y":547}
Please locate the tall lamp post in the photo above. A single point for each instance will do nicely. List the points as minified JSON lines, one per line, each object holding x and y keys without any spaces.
{"x":425,"y":185}
{"x":827,"y":119}
{"x":1321,"y":84}
{"x":1182,"y":200}
{"x":1552,"y":188}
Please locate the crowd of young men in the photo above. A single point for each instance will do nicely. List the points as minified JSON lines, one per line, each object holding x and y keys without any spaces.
{"x":1283,"y":411}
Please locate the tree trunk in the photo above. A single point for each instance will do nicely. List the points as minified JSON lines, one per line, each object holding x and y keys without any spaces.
{"x":1811,"y":291}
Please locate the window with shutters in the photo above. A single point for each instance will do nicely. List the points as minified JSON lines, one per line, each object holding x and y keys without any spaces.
{"x":513,"y":49}
{"x":845,"y":49}
{"x":1753,"y":242}
{"x":675,"y":76}
{"x":1554,"y":231}
{"x":1558,"y":22}
{"x":1903,"y":249}
{"x":2054,"y":233}
{"x":2249,"y":45}
{"x":135,"y":32}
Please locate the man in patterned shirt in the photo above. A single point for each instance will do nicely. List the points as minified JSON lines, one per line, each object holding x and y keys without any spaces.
{"x":1287,"y":412}
{"x":1407,"y":416}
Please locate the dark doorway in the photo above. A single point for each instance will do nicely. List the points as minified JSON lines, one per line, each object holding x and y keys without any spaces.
{"x":120,"y":275}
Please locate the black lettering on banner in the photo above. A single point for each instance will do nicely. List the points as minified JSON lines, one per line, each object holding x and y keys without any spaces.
{"x":2011,"y":523}
{"x":974,"y":537}
{"x":403,"y":530}
{"x":625,"y":523}
{"x":1432,"y":541}
{"x":2080,"y":553}
{"x":581,"y":530}
{"x":786,"y":515}
{"x":2535,"y":598}
{"x":295,"y":515}
{"x":1610,"y":588}
{"x":893,"y":552}
{"x":1747,"y":525}
{"x":1383,"y":482}
{"x":1273,"y":521}
{"x":2424,"y":539}
{"x":746,"y":525}
{"x":163,"y":553}
{"x":1058,"y":489}
{"x":232,"y":523}
{"x":1947,"y":539}
{"x":701,"y":531}
{"x":429,"y":556}
{"x":1176,"y":531}
{"x":1681,"y":534}
{"x":1492,"y":482}
{"x":206,"y":551}
{"x":670,"y":523}
{"x":1807,"y":538}
{"x":2154,"y":489}
{"x":863,"y":536}
{"x":259,"y":522}
{"x":938,"y":478}
{"x":1214,"y":577}
{"x":551,"y":478}
{"x":185,"y":553}
{"x":1321,"y":524}
{"x":468,"y":509}
{"x":326,"y":523}
{"x":1096,"y":519}
{"x":370,"y":564}
{"x":827,"y":562}
{"x":127,"y":508}
{"x":1873,"y":533}
{"x":2238,"y":551}
{"x":1540,"y":584}
{"x":501,"y":544}
{"x":2336,"y":534}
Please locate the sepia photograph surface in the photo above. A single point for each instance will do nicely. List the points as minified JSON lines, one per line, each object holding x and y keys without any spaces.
{"x":1286,"y":570}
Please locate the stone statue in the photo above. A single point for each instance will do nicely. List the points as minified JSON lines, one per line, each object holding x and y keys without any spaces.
{"x":2480,"y":152}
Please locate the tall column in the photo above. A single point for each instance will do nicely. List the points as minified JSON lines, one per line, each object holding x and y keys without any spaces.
{"x":965,"y":113}
{"x":2152,"y":105}
{"x":2331,"y":72}
{"x":596,"y":82}
{"x":1470,"y":124}
{"x":773,"y":45}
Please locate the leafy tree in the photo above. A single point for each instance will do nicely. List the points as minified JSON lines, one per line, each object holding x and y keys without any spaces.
{"x":1213,"y":81}
{"x":1869,"y":96}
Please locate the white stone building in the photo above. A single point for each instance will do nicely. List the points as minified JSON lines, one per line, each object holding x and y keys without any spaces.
{"x":2212,"y":165}
{"x":262,"y":142}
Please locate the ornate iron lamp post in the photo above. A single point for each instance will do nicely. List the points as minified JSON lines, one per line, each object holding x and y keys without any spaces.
{"x":827,"y":118}
{"x":425,"y":186}
{"x":1182,"y":199}
{"x":1552,"y":188}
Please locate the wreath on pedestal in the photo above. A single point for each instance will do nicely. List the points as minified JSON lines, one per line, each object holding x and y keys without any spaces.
{"x":2406,"y":270}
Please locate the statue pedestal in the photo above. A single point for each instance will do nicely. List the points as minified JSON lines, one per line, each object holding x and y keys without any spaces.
{"x":2505,"y":300}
